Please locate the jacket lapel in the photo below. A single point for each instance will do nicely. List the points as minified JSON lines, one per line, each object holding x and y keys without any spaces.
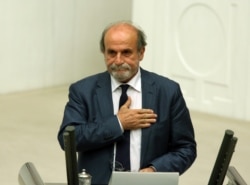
{"x":104,"y":95}
{"x":148,"y":101}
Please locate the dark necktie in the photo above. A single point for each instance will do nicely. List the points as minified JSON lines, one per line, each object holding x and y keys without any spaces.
{"x":123,"y":146}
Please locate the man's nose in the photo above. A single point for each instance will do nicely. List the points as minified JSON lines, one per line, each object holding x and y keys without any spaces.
{"x":119,"y":59}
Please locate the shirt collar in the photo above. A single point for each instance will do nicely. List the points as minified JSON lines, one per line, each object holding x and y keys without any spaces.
{"x":135,"y":82}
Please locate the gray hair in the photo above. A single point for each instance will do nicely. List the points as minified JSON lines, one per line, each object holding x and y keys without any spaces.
{"x":141,"y":37}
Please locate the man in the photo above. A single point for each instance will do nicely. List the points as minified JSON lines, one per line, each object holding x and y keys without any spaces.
{"x":155,"y":114}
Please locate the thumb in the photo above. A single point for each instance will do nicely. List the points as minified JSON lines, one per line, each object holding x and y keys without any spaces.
{"x":128,"y":102}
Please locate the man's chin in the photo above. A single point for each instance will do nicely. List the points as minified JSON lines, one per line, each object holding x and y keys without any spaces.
{"x":121,"y":77}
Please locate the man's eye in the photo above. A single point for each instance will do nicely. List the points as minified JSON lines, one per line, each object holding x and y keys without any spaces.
{"x":111,"y":53}
{"x":127,"y":52}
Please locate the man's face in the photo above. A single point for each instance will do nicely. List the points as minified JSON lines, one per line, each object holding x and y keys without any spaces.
{"x":121,"y":55}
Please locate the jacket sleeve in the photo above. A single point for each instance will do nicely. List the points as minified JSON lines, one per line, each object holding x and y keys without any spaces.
{"x":92,"y":130}
{"x":182,"y":146}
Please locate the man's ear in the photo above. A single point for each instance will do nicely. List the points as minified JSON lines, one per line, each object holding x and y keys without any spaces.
{"x":141,"y":53}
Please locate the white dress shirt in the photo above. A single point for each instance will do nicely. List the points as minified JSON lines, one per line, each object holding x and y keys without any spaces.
{"x":134,"y":91}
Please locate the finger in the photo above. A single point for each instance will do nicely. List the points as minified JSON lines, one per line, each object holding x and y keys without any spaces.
{"x":144,"y":124}
{"x":148,"y":116}
{"x":149,"y":169}
{"x":145,"y":111}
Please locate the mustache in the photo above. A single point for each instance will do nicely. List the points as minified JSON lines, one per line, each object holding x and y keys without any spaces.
{"x":120,"y":67}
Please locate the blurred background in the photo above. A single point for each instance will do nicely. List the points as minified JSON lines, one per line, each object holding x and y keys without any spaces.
{"x":46,"y":45}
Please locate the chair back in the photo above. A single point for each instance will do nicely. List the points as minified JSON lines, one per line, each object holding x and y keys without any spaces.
{"x":223,"y":158}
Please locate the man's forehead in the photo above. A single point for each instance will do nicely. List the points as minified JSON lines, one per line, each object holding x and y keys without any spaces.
{"x":121,"y":29}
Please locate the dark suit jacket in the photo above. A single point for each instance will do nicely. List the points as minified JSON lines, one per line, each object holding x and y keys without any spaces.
{"x":168,"y":145}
